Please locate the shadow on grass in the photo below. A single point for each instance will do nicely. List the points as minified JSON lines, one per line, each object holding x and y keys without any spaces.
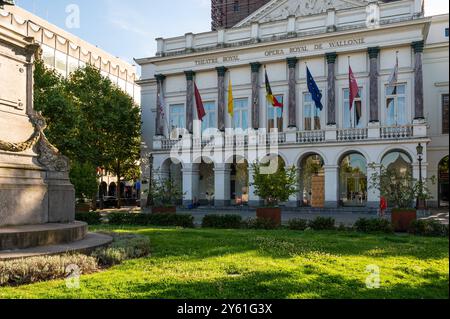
{"x":206,"y":243}
{"x":288,"y":285}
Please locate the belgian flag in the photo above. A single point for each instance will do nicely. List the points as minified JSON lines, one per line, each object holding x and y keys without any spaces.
{"x":270,"y":97}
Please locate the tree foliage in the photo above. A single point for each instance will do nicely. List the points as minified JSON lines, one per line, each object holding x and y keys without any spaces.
{"x":277,"y":187}
{"x":91,"y":121}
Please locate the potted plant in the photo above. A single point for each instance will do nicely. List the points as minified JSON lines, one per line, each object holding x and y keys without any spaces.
{"x":401,"y":191}
{"x":274,"y":187}
{"x":165,"y":195}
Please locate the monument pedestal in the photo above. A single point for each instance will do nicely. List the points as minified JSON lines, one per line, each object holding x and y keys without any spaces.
{"x":37,"y":200}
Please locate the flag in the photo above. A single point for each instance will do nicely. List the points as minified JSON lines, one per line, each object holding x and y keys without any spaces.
{"x":353,"y":87}
{"x":198,"y":101}
{"x":230,"y":99}
{"x":272,"y":99}
{"x":162,"y":107}
{"x":393,"y":79}
{"x":314,"y":90}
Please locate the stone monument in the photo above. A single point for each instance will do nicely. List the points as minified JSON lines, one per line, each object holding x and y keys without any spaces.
{"x":37,"y":200}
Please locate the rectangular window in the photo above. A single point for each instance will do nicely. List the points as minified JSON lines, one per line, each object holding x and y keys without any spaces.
{"x":48,"y":55}
{"x":177,"y":117}
{"x":445,"y":114}
{"x":210,"y":119}
{"x":311,"y":113}
{"x":275,"y":115}
{"x":61,"y":63}
{"x":236,"y":6}
{"x":241,"y":114}
{"x":396,"y":105}
{"x":351,"y":116}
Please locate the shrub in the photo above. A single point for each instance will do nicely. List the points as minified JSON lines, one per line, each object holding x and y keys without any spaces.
{"x":92,"y":218}
{"x":177,"y":220}
{"x":366,"y":225}
{"x":298,"y":224}
{"x":34,"y":269}
{"x":428,"y":228}
{"x":322,"y":223}
{"x":222,"y":221}
{"x":122,"y":248}
{"x":260,"y":223}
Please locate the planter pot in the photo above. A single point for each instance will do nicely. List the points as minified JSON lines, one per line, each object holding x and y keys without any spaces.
{"x":83,"y":207}
{"x":164,"y":210}
{"x":402,"y":219}
{"x":270,"y":213}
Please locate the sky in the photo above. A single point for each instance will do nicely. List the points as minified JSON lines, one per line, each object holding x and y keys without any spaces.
{"x":128,"y":29}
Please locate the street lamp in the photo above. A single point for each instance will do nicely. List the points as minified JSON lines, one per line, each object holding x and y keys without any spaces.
{"x":420,"y":203}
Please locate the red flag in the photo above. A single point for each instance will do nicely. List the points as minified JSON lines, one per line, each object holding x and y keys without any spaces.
{"x":353,"y":86}
{"x":198,"y":100}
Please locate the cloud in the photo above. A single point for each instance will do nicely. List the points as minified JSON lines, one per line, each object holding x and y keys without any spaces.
{"x":126,"y":18}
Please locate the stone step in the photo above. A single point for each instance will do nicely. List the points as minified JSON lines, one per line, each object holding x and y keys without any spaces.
{"x":91,"y":242}
{"x":24,"y":237}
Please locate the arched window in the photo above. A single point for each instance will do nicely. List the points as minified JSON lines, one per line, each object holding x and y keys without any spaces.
{"x":312,"y":181}
{"x":353,"y":180}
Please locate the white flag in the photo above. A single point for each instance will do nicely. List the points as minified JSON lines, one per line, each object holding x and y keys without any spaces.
{"x":393,"y":79}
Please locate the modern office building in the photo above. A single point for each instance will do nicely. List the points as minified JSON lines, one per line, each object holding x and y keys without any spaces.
{"x":336,"y":149}
{"x":226,"y":13}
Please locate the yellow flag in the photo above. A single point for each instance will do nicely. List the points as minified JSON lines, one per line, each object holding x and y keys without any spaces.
{"x":230,"y":99}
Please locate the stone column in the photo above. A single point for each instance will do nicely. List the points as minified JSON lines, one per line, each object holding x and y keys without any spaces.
{"x":373,"y":75}
{"x":418,"y":80}
{"x":190,"y":101}
{"x":159,"y":125}
{"x":331,"y":61}
{"x":255,"y":94}
{"x":331,"y":186}
{"x":191,"y":178}
{"x":373,"y":195}
{"x":221,"y":71}
{"x":292,"y":65}
{"x":222,"y":189}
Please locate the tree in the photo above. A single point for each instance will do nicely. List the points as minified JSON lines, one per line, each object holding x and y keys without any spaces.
{"x":277,"y":187}
{"x":123,"y":135}
{"x":399,"y":187}
{"x":84,"y":179}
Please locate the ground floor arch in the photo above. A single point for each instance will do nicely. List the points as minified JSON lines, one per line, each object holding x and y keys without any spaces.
{"x":239,"y":181}
{"x":311,"y":181}
{"x":353,"y":179}
{"x":443,"y":182}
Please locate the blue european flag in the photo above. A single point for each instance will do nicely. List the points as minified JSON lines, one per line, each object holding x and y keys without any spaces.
{"x":314,"y":90}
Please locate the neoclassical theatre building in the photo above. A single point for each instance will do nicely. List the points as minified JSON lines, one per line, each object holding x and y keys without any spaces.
{"x":335,"y":149}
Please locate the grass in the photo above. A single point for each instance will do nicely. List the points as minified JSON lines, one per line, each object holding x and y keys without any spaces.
{"x":206,"y":263}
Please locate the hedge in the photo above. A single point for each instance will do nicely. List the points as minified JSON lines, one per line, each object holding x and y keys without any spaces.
{"x":366,"y":225}
{"x":431,"y":228}
{"x":177,"y":220}
{"x":92,"y":218}
{"x":222,"y":221}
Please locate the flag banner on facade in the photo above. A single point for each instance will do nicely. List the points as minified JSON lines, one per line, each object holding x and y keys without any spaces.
{"x":353,"y":94}
{"x":314,"y":90}
{"x":162,"y":107}
{"x":198,"y":101}
{"x":230,"y":99}
{"x":393,"y":80}
{"x":270,"y":97}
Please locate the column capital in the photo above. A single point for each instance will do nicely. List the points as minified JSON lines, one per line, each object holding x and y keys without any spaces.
{"x":292,"y":62}
{"x":331,"y":57}
{"x":221,"y":70}
{"x":255,"y":67}
{"x":373,"y":52}
{"x":160,"y":77}
{"x":417,"y":46}
{"x":189,"y":75}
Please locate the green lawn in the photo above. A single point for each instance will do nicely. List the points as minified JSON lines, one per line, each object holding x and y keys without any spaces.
{"x":197,"y":263}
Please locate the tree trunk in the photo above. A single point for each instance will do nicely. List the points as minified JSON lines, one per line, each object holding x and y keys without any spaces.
{"x":118,"y":186}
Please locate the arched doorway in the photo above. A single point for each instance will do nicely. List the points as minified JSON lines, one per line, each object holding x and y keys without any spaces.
{"x":443,"y":185}
{"x":312,"y":181}
{"x":353,"y":180}
{"x":172,"y":170}
{"x":103,"y":190}
{"x":112,"y":189}
{"x":239,"y":182}
{"x":206,"y":183}
{"x":399,"y":161}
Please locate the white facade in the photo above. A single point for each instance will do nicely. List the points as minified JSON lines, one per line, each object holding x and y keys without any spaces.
{"x":286,"y":36}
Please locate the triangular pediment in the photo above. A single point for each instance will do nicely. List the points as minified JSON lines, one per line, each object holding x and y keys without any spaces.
{"x":281,"y":9}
